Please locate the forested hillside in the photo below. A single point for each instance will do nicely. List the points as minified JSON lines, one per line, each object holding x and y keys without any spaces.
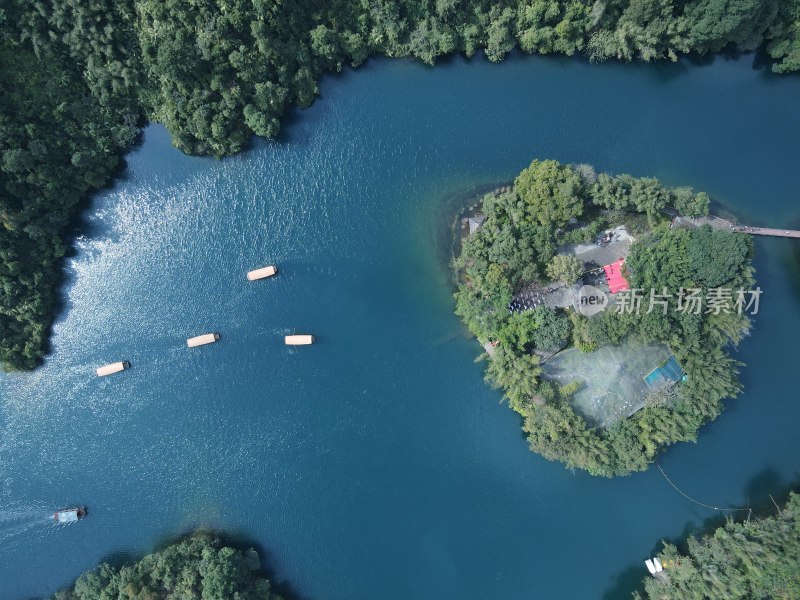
{"x":77,"y":77}
{"x":58,"y":142}
{"x":759,"y":558}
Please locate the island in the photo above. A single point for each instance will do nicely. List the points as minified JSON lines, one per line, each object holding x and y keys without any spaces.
{"x":200,"y":566}
{"x":607,"y":306}
{"x":80,"y":78}
{"x":758,"y":558}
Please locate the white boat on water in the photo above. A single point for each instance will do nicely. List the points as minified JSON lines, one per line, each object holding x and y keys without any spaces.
{"x":112,"y":368}
{"x":262,"y":273}
{"x":69,"y":515}
{"x":202,"y":340}
{"x":298,"y":340}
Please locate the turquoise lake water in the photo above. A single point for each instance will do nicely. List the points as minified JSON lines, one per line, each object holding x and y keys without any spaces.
{"x":376,"y":463}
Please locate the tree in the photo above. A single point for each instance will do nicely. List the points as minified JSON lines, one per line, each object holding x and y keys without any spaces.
{"x":517,"y":374}
{"x":609,"y":327}
{"x":541,"y":329}
{"x":500,"y":40}
{"x":713,"y":24}
{"x":551,"y":331}
{"x":565,"y":267}
{"x":716,"y":256}
{"x":550,"y":193}
{"x":690,"y":204}
{"x":784,"y":36}
{"x":325,"y":44}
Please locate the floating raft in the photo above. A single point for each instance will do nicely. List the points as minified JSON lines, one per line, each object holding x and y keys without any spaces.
{"x":112,"y":368}
{"x":202,"y":340}
{"x":262,"y":273}
{"x":298,"y":340}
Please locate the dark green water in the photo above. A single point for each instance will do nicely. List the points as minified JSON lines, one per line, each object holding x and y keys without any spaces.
{"x":377,"y":464}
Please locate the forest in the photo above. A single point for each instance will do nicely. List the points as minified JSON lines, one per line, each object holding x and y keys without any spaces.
{"x":516,"y":247}
{"x":198,"y":568}
{"x":758,"y":558}
{"x":78,"y":78}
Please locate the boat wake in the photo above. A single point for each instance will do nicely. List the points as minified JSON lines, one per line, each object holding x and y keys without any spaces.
{"x":27,"y":523}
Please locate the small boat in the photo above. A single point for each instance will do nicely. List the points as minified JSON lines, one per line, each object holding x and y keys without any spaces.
{"x":298,"y":340}
{"x":262,"y":273}
{"x":112,"y":368}
{"x":202,"y":340}
{"x":69,"y":515}
{"x":657,"y":564}
{"x":650,"y":566}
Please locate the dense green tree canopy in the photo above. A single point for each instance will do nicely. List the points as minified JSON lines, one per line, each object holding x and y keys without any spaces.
{"x":714,"y":257}
{"x":549,"y":193}
{"x":55,"y":146}
{"x":198,"y":568}
{"x":550,"y":329}
{"x":564,"y":267}
{"x":758,"y":558}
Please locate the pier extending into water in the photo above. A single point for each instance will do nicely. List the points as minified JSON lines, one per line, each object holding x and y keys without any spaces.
{"x":789,"y":233}
{"x":720,"y":223}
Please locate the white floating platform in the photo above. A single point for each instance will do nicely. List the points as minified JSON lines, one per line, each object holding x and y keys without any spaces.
{"x":112,"y":368}
{"x":262,"y":273}
{"x":202,"y":340}
{"x":298,"y":340}
{"x":657,"y":565}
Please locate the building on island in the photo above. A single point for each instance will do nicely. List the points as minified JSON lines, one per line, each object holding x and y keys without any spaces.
{"x":476,"y":222}
{"x":665,"y":374}
{"x":614,"y":278}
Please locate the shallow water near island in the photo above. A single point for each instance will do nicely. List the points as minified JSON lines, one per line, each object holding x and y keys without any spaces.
{"x":376,"y":463}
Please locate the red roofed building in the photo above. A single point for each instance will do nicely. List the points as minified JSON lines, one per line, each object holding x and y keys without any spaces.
{"x":616,"y":282}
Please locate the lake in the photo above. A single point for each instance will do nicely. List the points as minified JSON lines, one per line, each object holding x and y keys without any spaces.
{"x":377,"y":463}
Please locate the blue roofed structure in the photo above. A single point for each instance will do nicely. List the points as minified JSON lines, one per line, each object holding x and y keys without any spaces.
{"x":665,"y":374}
